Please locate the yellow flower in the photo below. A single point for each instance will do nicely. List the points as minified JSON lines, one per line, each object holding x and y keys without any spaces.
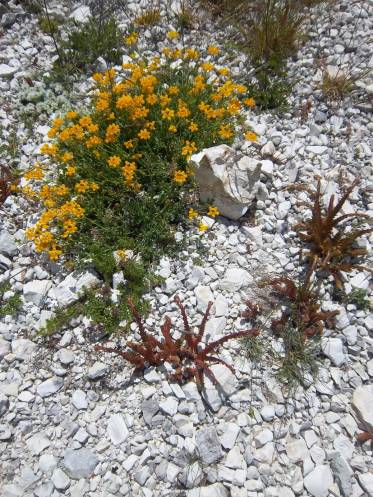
{"x":251,"y":136}
{"x":112,"y":132}
{"x":188,"y":148}
{"x":121,"y":254}
{"x":168,"y":114}
{"x":173,"y":90}
{"x":207,"y":66}
{"x":114,"y":161}
{"x":69,"y":227}
{"x":183,"y":111}
{"x":82,"y":186}
{"x":172,"y":128}
{"x":94,"y":187}
{"x":250,"y":102}
{"x":102,"y":104}
{"x":54,"y":254}
{"x":71,"y":114}
{"x":35,"y":173}
{"x":225,"y":131}
{"x":165,"y":100}
{"x":213,"y":50}
{"x":193,"y":126}
{"x":151,"y":99}
{"x":143,"y":134}
{"x":129,"y":144}
{"x":180,"y":176}
{"x":172,"y":35}
{"x":67,"y":156}
{"x":124,"y":102}
{"x":203,"y":227}
{"x":224,"y":71}
{"x":213,"y":211}
{"x":131,"y":39}
{"x":192,"y":214}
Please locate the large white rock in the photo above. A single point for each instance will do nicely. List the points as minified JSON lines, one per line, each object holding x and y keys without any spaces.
{"x":214,"y":490}
{"x":235,"y":278}
{"x":72,"y":286}
{"x":333,"y":348}
{"x":7,"y":71}
{"x":117,"y":429}
{"x":318,"y":481}
{"x":227,"y":179}
{"x":366,"y":481}
{"x":362,"y":402}
{"x":81,"y":14}
{"x":36,"y":290}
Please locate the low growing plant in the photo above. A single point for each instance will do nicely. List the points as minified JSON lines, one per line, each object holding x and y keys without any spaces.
{"x":8,"y":182}
{"x":12,"y":304}
{"x":121,"y":177}
{"x":188,"y":358}
{"x":331,"y":236}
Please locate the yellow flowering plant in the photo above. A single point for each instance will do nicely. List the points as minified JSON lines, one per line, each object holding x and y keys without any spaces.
{"x":122,"y":179}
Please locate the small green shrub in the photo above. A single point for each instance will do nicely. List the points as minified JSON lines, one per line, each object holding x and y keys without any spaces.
{"x":12,"y":305}
{"x":148,"y":17}
{"x":49,"y":25}
{"x":359,"y":297}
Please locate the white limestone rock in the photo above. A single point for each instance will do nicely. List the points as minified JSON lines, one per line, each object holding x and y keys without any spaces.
{"x":227,"y":179}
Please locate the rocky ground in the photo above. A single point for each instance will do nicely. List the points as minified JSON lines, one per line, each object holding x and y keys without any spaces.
{"x":73,"y":423}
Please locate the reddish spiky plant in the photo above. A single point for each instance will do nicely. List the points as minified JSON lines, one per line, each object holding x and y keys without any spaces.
{"x":303,"y":307}
{"x":332,"y":241}
{"x":7,"y":180}
{"x":186,"y":354}
{"x":252,"y":310}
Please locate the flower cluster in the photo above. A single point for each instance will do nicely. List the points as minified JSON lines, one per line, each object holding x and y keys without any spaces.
{"x":132,"y":148}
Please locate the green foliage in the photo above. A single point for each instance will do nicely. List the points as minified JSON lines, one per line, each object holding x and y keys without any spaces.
{"x":359,"y":298}
{"x":12,"y":305}
{"x":85,"y":43}
{"x":97,"y":304}
{"x":270,"y":88}
{"x":336,"y":87}
{"x":49,"y":24}
{"x":148,"y":17}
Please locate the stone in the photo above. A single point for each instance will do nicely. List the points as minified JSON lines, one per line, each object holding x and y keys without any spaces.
{"x":81,"y":14}
{"x":37,"y":443}
{"x":117,"y":429}
{"x":228,"y":439}
{"x":234,"y":459}
{"x":214,"y":490}
{"x":318,"y":481}
{"x":5,"y":433}
{"x":265,"y":453}
{"x":192,"y":475}
{"x":66,"y":357}
{"x":50,"y":386}
{"x":234,"y":279}
{"x":226,"y":178}
{"x":47,"y":463}
{"x":60,"y":480}
{"x":215,"y":328}
{"x":36,"y":291}
{"x":8,"y":245}
{"x":98,"y":370}
{"x":227,"y":386}
{"x":267,"y":413}
{"x":297,"y":450}
{"x":221,"y":306}
{"x":169,"y":406}
{"x":333,"y":348}
{"x":204,"y":295}
{"x":79,"y":400}
{"x":7,"y":72}
{"x":208,"y":445}
{"x":8,"y":19}
{"x":23,"y":349}
{"x":4,"y":347}
{"x":149,"y":409}
{"x":69,"y":290}
{"x":342,"y":474}
{"x":362,"y":402}
{"x":366,"y":482}
{"x":263,"y":437}
{"x":79,"y":463}
{"x":4,"y":404}
{"x":254,"y":233}
{"x":44,"y":490}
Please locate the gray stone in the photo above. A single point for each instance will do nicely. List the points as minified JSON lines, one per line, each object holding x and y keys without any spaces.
{"x":117,"y":429}
{"x":320,"y":117}
{"x":362,"y":402}
{"x":47,"y":463}
{"x":318,"y":481}
{"x":297,"y":450}
{"x":333,"y":348}
{"x":214,"y":490}
{"x":60,"y":480}
{"x":4,"y":404}
{"x":23,"y":349}
{"x":98,"y":370}
{"x":227,"y":178}
{"x":366,"y":482}
{"x":79,"y":463}
{"x":234,"y":279}
{"x":229,"y":437}
{"x":81,"y":14}
{"x":342,"y":474}
{"x":44,"y":490}
{"x":169,"y":406}
{"x":192,"y":475}
{"x":149,"y":409}
{"x":208,"y":445}
{"x":36,"y":290}
{"x":8,"y":245}
{"x":50,"y":386}
{"x":5,"y":432}
{"x":79,"y":399}
{"x":227,"y":385}
{"x":66,"y":356}
{"x":37,"y":443}
{"x":4,"y":347}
